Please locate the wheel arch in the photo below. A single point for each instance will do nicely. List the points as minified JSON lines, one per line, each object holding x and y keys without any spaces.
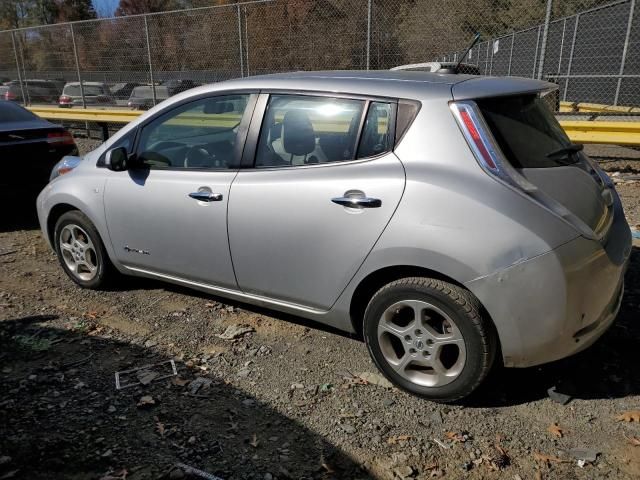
{"x":54,"y":214}
{"x":375,"y":280}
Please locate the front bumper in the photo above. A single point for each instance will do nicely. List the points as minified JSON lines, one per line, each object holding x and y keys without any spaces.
{"x":559,"y":303}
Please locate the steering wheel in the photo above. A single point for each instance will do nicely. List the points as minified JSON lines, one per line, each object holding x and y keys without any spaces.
{"x":198,"y":157}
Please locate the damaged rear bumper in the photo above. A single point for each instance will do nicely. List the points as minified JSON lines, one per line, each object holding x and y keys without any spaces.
{"x":559,"y":303}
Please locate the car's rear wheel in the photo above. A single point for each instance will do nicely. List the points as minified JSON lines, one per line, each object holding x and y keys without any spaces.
{"x":81,"y":251}
{"x":430,"y":338}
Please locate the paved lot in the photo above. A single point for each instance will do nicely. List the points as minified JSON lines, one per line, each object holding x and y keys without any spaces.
{"x":287,"y":399}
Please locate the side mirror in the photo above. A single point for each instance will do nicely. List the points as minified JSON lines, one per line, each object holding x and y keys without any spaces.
{"x":116,"y":159}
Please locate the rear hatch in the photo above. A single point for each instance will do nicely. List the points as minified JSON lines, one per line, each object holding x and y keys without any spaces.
{"x":534,"y":147}
{"x":534,"y":143}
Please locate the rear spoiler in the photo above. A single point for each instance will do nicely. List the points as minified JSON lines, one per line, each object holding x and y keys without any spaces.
{"x":482,"y":87}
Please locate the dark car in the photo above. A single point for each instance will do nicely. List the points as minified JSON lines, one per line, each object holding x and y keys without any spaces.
{"x":142,"y":97}
{"x":35,"y":91}
{"x":180,"y":85}
{"x":122,"y":91}
{"x":29,"y":148}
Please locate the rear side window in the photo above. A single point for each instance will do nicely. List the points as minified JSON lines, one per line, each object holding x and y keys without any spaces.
{"x":377,"y":133}
{"x":89,"y":90}
{"x":527,"y":132}
{"x":302,"y":130}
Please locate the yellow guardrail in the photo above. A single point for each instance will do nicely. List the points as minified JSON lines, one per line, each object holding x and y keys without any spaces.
{"x":584,"y":107}
{"x":614,"y":133}
{"x":604,"y":132}
{"x":86,"y":115}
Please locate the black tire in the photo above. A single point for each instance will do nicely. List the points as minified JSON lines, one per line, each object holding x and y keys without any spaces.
{"x":477,"y":331}
{"x":105,"y":270}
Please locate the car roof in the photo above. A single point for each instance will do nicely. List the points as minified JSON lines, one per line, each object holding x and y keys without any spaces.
{"x":381,"y":83}
{"x":89,"y":84}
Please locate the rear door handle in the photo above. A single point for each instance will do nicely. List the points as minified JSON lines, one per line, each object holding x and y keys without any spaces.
{"x":358,"y":202}
{"x":204,"y":196}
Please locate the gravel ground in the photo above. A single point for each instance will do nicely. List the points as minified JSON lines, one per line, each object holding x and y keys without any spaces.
{"x":283,"y":399}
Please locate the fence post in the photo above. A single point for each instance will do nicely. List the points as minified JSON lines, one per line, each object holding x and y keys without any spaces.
{"x":493,"y":46}
{"x":624,"y":50}
{"x":240,"y":41}
{"x":153,"y":83}
{"x":545,"y":35}
{"x":573,"y":46}
{"x":369,"y":6}
{"x":15,"y":53}
{"x":75,"y":56}
{"x":513,"y":41}
{"x":535,"y":57}
{"x":564,"y":27}
{"x":486,"y":58}
{"x":246,"y":38}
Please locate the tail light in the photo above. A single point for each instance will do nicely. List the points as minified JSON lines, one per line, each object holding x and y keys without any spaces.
{"x":60,"y":138}
{"x":484,"y":147}
{"x":64,"y":99}
{"x":9,"y":95}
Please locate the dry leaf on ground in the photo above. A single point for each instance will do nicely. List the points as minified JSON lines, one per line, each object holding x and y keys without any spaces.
{"x":179,"y":381}
{"x":635,"y":441}
{"x":146,"y":401}
{"x":555,"y":430}
{"x":254,"y":441}
{"x":456,"y":437}
{"x":159,"y":426}
{"x":398,"y":439}
{"x":629,"y":416}
{"x":547,"y":459}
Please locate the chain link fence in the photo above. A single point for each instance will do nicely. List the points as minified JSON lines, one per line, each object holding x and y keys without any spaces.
{"x":588,"y":47}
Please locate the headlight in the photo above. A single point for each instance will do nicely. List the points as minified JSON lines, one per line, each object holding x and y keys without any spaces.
{"x":64,"y":166}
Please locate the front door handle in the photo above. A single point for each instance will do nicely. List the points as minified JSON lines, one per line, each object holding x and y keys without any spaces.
{"x":358,"y":202}
{"x":204,"y":196}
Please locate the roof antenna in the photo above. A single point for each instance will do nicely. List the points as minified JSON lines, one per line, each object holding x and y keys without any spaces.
{"x":476,"y":39}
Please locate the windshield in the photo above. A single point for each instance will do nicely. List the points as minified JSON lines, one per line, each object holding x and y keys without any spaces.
{"x":89,"y":90}
{"x":527,"y":132}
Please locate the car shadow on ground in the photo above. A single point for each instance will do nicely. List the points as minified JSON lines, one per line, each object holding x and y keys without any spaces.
{"x":607,"y":369}
{"x":62,"y":417}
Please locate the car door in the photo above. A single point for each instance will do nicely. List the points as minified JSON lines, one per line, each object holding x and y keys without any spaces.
{"x":322,"y":188}
{"x":167,"y":215}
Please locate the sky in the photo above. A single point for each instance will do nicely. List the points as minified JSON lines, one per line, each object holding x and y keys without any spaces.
{"x":105,"y":8}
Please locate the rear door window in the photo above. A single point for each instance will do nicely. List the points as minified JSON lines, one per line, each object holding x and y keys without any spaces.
{"x":527,"y":132}
{"x":300,"y":130}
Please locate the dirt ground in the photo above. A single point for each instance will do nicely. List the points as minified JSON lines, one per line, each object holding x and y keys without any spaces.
{"x":288,"y":399}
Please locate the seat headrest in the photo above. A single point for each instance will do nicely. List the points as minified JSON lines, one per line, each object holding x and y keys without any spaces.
{"x":298,"y":137}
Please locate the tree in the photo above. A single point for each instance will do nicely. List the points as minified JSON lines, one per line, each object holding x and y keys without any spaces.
{"x":135,"y":7}
{"x":72,"y":10}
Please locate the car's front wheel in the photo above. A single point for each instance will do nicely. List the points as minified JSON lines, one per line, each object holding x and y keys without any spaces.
{"x":430,"y":338}
{"x":81,"y":251}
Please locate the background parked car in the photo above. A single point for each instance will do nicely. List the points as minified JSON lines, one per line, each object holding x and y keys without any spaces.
{"x":95,"y":93}
{"x":35,"y":91}
{"x":142,"y":97}
{"x":122,"y":91}
{"x":180,"y":85}
{"x":29,"y":148}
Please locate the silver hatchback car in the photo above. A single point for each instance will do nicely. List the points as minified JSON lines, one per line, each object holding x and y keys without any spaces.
{"x":446,"y":218}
